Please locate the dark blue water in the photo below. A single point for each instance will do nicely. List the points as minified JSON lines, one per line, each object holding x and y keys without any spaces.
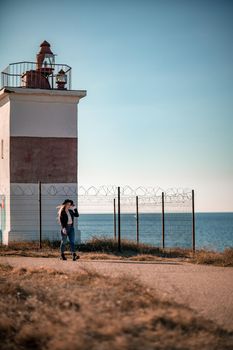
{"x":213,"y":230}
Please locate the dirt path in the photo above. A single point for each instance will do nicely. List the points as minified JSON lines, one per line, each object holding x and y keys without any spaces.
{"x":206,"y":289}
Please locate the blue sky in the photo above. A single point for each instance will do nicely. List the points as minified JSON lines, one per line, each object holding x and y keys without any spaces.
{"x":159,"y":78}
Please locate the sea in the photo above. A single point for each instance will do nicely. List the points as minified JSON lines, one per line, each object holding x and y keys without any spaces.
{"x":213,"y":231}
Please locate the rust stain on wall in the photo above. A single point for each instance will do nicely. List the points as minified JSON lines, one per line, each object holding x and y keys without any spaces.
{"x":45,"y":159}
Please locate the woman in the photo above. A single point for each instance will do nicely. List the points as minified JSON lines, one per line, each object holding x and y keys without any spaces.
{"x":66,"y":213}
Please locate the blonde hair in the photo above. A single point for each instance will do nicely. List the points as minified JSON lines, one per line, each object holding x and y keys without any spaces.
{"x":60,"y":208}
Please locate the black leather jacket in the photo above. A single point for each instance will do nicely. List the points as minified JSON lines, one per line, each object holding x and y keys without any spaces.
{"x":64,"y":217}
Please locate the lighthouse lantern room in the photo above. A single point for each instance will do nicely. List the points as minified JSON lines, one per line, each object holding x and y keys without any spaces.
{"x":38,"y":143}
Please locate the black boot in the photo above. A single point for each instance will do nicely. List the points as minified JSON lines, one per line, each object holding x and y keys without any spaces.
{"x":63,"y":256}
{"x":75,"y":256}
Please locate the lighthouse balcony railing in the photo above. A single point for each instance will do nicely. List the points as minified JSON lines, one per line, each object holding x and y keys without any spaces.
{"x":28,"y":75}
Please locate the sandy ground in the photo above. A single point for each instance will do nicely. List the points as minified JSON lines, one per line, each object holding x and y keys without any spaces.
{"x":206,"y":289}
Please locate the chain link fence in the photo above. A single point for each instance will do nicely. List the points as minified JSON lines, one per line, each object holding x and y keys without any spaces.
{"x":144,"y":214}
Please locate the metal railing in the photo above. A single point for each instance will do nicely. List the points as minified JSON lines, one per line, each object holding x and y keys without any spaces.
{"x":27,"y":75}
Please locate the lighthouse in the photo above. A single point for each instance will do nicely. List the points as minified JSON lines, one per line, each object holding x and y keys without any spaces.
{"x":38,"y":144}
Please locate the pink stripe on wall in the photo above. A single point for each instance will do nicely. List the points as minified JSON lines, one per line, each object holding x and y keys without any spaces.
{"x":45,"y":159}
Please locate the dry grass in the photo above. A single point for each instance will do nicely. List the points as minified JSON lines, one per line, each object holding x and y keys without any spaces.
{"x":106,"y":248}
{"x":30,"y":249}
{"x":47,"y":309}
{"x":130,"y":248}
{"x":224,"y":258}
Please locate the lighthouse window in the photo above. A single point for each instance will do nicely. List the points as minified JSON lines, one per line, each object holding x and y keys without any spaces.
{"x":2,"y":149}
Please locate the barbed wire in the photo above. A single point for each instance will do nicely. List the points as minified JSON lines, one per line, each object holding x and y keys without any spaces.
{"x":149,"y":194}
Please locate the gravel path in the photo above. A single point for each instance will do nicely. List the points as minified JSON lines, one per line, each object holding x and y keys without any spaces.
{"x":206,"y":289}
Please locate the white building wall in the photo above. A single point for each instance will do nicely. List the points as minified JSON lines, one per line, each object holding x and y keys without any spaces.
{"x":34,"y":113}
{"x":42,"y":118}
{"x":4,"y":169}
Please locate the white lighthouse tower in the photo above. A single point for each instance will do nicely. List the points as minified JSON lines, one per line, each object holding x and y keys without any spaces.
{"x":38,"y":143}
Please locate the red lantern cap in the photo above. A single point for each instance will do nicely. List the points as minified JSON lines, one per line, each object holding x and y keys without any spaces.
{"x":45,"y":48}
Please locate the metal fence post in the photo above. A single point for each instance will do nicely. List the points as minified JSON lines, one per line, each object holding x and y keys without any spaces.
{"x":137,"y":220}
{"x":193,"y":223}
{"x":114,"y":217}
{"x":40,"y":215}
{"x":163,"y":222}
{"x":119,"y":220}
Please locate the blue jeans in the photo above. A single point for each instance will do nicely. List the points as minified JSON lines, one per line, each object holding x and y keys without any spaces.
{"x":71,"y":236}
